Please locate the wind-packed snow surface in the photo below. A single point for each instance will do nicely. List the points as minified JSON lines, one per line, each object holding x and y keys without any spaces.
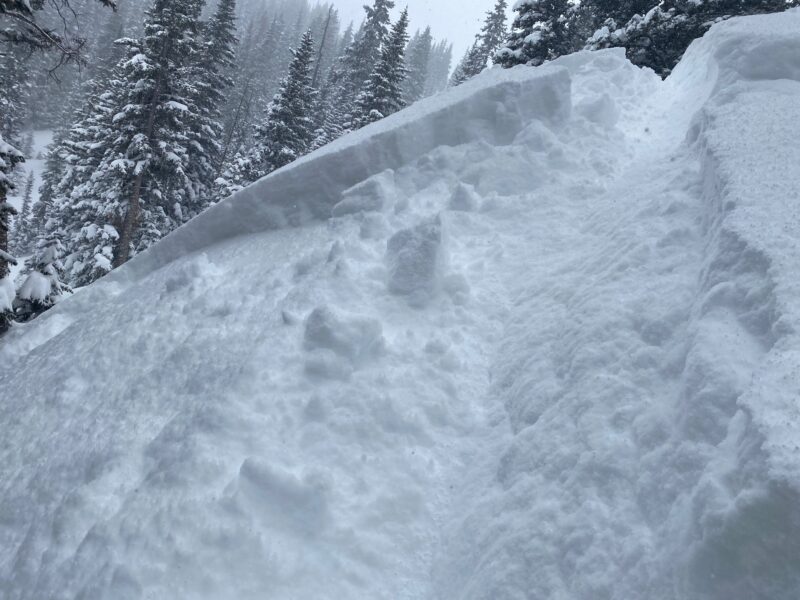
{"x":534,"y":338}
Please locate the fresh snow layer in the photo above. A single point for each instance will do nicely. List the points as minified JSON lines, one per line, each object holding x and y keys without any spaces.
{"x":533,"y":338}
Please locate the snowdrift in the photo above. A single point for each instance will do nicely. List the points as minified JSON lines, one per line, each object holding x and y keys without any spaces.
{"x":536,"y":337}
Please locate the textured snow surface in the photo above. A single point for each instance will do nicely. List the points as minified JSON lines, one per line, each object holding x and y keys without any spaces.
{"x":534,"y":338}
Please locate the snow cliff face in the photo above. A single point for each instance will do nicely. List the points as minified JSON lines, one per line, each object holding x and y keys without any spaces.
{"x":532,"y":338}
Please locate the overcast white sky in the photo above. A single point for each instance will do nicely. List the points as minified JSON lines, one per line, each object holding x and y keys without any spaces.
{"x":456,"y":20}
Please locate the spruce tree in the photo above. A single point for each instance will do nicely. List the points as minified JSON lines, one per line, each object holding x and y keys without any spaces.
{"x":439,"y":67}
{"x":383,"y":94}
{"x":10,"y":157}
{"x":287,"y":132}
{"x":77,"y":199}
{"x":418,"y":56}
{"x":494,"y":33}
{"x":14,"y":91}
{"x":22,"y":234}
{"x":332,"y":109}
{"x":211,"y":83}
{"x":659,"y":38}
{"x":539,"y":33}
{"x":365,"y":52}
{"x":43,"y":285}
{"x":473,"y":63}
{"x":144,"y":178}
{"x":327,"y":32}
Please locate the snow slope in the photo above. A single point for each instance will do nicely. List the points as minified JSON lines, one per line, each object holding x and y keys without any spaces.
{"x":532,"y":338}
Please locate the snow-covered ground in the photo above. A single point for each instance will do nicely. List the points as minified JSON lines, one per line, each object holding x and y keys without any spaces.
{"x":546,"y":348}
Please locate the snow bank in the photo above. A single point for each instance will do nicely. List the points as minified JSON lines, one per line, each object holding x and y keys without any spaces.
{"x":535,"y":338}
{"x":493,"y":108}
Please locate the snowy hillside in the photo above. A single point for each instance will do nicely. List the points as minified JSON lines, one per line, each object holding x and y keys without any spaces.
{"x":533,"y":338}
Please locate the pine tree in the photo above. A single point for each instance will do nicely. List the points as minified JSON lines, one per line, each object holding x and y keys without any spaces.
{"x":659,"y":38}
{"x":473,"y":63}
{"x":439,"y":67}
{"x":287,"y":132}
{"x":144,"y":179}
{"x":332,"y":111}
{"x":494,"y":33}
{"x":10,"y":157}
{"x":365,"y":51}
{"x":210,"y":86}
{"x":418,"y":56}
{"x":539,"y":33}
{"x":492,"y":36}
{"x":327,"y":32}
{"x":22,"y":234}
{"x":14,"y":91}
{"x":383,"y":94}
{"x":73,"y":203}
{"x":618,"y":11}
{"x":43,"y":284}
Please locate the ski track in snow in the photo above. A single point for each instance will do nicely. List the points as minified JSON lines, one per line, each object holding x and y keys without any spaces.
{"x":552,"y":363}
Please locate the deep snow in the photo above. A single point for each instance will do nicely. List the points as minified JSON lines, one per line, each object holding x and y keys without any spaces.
{"x":545,"y":347}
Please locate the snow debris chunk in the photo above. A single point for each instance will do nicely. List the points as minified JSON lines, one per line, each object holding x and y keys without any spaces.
{"x":281,"y":499}
{"x":464,"y":198}
{"x":368,"y":196}
{"x":415,"y":258}
{"x":353,"y":338}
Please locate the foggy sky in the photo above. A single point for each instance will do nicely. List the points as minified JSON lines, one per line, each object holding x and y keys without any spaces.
{"x":456,"y":20}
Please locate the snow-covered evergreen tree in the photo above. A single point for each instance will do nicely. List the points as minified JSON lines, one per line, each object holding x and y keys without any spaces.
{"x":659,"y":38}
{"x":326,"y":31}
{"x":43,"y":285}
{"x":365,"y":51}
{"x":418,"y":56}
{"x":439,"y":67}
{"x":472,"y":64}
{"x":494,"y":32}
{"x":492,"y":36}
{"x":211,"y":83}
{"x":143,"y":181}
{"x":287,"y":132}
{"x":539,"y":33}
{"x":71,"y":202}
{"x":14,"y":91}
{"x":383,"y":94}
{"x":10,"y":157}
{"x":21,"y":238}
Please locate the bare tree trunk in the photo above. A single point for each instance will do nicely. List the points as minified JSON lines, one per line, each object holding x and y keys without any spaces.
{"x":129,"y":224}
{"x":315,"y":79}
{"x":243,"y":101}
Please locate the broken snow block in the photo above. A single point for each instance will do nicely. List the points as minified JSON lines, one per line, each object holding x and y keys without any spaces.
{"x":368,"y":196}
{"x":415,"y":260}
{"x":464,"y":198}
{"x":349,"y":337}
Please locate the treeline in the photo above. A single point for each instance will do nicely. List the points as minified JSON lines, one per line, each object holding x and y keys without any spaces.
{"x":173,"y":112}
{"x":654,"y":33}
